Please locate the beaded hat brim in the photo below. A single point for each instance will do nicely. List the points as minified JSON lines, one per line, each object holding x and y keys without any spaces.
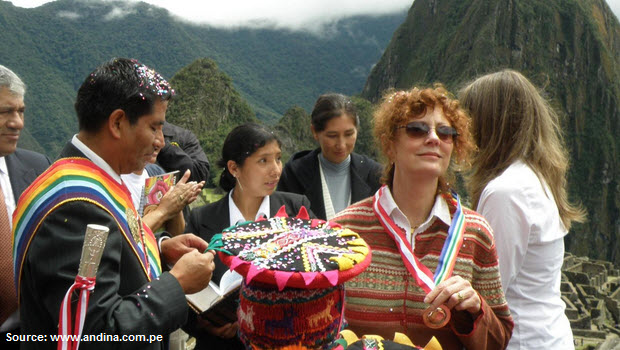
{"x":344,"y":253}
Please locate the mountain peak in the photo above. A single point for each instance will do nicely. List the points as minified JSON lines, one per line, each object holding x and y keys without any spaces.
{"x":568,"y":48}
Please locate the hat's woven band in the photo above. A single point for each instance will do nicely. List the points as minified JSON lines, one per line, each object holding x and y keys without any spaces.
{"x":270,"y":319}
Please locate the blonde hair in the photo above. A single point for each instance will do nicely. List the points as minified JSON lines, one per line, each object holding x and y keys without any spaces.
{"x":397,"y":107}
{"x":512,"y":121}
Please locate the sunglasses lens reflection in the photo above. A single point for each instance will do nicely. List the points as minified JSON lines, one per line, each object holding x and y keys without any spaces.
{"x":417,"y":130}
{"x":421,"y":130}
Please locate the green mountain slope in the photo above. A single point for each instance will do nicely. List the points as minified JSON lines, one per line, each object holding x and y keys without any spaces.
{"x":569,"y":47}
{"x":207,"y":103}
{"x":53,"y":47}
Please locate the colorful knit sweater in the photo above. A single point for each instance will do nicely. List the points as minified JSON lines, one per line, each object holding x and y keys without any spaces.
{"x":386,"y":299}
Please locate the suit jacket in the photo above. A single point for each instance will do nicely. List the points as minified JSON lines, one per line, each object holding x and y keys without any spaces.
{"x":301,"y":175}
{"x":211,"y":219}
{"x":123,"y":302}
{"x":24,"y":166}
{"x":182,"y":151}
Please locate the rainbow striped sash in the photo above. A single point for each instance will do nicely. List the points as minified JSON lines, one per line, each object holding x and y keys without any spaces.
{"x":79,"y":179}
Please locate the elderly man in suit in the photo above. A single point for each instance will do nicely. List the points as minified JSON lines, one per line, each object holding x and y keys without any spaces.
{"x":121,"y":108}
{"x":18,"y":168}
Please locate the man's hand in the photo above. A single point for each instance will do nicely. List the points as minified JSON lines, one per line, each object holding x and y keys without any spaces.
{"x":227,"y":331}
{"x":174,"y":248}
{"x":194,"y":271}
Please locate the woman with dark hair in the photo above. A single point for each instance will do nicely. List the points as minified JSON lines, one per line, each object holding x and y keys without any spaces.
{"x":252,"y":167}
{"x":518,"y":182}
{"x":434,"y":270}
{"x":332,"y":176}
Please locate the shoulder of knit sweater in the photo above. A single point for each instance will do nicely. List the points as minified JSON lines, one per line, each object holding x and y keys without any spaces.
{"x":478,"y":229}
{"x":362,"y":207}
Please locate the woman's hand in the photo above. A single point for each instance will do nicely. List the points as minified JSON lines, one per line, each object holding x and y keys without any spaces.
{"x":456,"y":293}
{"x":227,"y":331}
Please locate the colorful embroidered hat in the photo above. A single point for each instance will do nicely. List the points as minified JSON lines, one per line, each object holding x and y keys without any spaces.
{"x":294,"y":270}
{"x":349,"y":341}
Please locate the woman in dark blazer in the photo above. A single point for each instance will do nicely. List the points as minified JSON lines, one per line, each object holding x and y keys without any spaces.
{"x":332,"y":176}
{"x":252,"y":167}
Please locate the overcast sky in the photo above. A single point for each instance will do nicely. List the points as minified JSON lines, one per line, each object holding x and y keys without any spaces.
{"x":295,"y":14}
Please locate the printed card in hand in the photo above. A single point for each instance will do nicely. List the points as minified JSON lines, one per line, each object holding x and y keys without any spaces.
{"x":218,"y":304}
{"x":155,"y":187}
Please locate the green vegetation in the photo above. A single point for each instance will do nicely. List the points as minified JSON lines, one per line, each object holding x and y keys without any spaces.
{"x":55,"y":46}
{"x":207,"y":103}
{"x":208,"y":195}
{"x":569,"y":48}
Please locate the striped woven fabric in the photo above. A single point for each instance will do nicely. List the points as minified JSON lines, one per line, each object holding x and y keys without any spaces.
{"x":289,"y":319}
{"x":385,"y":298}
{"x":78,"y":179}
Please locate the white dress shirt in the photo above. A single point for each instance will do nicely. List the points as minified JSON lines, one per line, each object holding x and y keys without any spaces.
{"x":440,"y":211}
{"x":236,"y":216}
{"x":7,"y":190}
{"x":529,"y":236}
{"x":95,"y":158}
{"x":135,"y":184}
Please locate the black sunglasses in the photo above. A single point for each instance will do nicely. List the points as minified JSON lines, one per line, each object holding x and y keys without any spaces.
{"x":418,"y":130}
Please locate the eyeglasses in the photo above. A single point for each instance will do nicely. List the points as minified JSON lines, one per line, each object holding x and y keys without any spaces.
{"x":418,"y":130}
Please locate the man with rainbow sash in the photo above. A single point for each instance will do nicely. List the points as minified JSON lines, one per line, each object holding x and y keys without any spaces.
{"x":121,"y":109}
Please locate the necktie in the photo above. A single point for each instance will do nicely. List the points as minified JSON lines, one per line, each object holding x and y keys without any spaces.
{"x":8,"y":299}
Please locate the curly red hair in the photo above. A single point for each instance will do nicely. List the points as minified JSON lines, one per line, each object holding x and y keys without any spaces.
{"x":398,"y":107}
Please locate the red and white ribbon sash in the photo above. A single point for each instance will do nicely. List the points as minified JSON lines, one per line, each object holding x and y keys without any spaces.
{"x":423,"y":276}
{"x":69,"y":339}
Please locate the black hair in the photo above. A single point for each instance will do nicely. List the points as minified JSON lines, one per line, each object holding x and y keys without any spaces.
{"x":329,"y":106}
{"x":120,"y":83}
{"x":239,"y":144}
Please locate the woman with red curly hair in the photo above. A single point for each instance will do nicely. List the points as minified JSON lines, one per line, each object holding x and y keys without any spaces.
{"x":434,"y":270}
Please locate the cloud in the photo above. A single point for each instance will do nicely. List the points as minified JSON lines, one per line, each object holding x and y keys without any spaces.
{"x":310,"y":15}
{"x":313,"y":15}
{"x":68,"y":14}
{"x":118,"y":13}
{"x":292,"y":14}
{"x":615,"y":7}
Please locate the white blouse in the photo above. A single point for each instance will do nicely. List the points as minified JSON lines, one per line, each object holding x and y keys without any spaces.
{"x":236,"y":216}
{"x":529,"y":235}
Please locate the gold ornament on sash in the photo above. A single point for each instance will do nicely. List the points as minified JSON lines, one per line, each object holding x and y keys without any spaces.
{"x":134,"y":226}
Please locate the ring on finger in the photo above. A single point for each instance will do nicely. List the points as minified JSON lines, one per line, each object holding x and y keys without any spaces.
{"x":460,"y":296}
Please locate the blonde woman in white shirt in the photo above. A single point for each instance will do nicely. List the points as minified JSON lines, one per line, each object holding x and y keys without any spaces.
{"x":519,"y":184}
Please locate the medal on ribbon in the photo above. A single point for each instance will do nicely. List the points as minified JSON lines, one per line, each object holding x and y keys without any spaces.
{"x":432,"y":317}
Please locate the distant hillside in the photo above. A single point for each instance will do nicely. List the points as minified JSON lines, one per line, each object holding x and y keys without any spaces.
{"x":54,"y":47}
{"x":569,"y":47}
{"x":208,"y":104}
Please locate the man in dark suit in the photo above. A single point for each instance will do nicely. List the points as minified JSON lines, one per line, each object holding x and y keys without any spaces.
{"x":182,"y":151}
{"x":121,"y":109}
{"x":18,"y":168}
